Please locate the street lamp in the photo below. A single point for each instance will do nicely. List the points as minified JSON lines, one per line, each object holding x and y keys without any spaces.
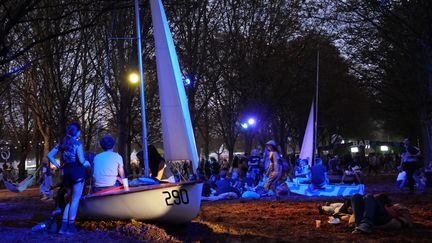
{"x":133,"y":78}
{"x":251,"y":121}
{"x":187,"y":81}
{"x":384,"y":148}
{"x":354,"y":150}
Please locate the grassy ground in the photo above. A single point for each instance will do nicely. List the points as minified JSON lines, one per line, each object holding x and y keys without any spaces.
{"x":291,"y":219}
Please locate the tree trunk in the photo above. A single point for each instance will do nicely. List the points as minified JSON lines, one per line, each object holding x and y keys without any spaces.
{"x":46,"y":148}
{"x":122,"y":140}
{"x":207,"y":134}
{"x":21,"y":166}
{"x":230,"y":147}
{"x":426,"y":131}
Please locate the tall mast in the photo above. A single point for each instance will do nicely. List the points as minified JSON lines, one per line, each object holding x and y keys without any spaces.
{"x":143,"y":114}
{"x":314,"y":151}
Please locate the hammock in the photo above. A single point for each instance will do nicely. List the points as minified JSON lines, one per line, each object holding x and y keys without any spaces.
{"x":23,"y":185}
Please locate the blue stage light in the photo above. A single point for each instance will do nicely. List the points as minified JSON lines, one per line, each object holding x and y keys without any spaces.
{"x":188,"y":81}
{"x":244,"y":125}
{"x":251,"y":121}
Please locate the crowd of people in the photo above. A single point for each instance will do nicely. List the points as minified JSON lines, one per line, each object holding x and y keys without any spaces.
{"x":246,"y":173}
{"x":262,"y":172}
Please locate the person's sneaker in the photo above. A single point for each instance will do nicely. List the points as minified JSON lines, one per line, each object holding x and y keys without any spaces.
{"x":39,"y":227}
{"x":355,"y":231}
{"x":72,"y":230}
{"x":334,"y":221}
{"x":53,"y":227}
{"x":63,"y":228}
{"x":364,"y":228}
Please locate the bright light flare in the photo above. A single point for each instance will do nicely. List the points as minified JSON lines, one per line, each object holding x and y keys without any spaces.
{"x":133,"y":78}
{"x":187,"y":81}
{"x":251,"y":121}
{"x":244,"y":125}
{"x":384,"y":148}
{"x":354,"y":150}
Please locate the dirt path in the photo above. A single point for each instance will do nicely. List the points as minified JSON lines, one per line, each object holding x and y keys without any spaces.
{"x":292,"y":219}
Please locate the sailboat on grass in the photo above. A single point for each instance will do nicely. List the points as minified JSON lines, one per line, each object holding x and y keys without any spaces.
{"x":309,"y":152}
{"x":167,"y":202}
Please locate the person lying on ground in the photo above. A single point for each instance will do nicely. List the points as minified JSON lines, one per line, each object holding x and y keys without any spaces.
{"x":337,"y":209}
{"x":107,"y":166}
{"x":377,"y":211}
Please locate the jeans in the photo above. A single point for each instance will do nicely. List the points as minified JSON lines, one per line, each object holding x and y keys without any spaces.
{"x":369,"y":210}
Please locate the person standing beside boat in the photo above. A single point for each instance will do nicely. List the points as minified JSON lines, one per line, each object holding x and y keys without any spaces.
{"x":275,"y":167}
{"x":107,"y":166}
{"x":74,"y":172}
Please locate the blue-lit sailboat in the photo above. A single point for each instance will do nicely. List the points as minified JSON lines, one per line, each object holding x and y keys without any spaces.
{"x":167,"y":202}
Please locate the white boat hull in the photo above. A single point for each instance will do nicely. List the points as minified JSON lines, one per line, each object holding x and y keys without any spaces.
{"x":170,"y":203}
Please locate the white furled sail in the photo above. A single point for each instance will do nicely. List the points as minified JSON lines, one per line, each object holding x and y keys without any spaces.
{"x":307,"y":148}
{"x":178,"y":136}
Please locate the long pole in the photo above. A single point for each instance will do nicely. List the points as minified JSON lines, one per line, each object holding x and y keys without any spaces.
{"x":314,"y":152}
{"x":143,"y":114}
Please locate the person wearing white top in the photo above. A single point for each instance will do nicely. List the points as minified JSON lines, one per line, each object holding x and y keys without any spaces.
{"x":107,"y":166}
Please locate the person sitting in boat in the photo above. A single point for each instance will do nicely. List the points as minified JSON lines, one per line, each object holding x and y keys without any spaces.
{"x":156,"y":161}
{"x":107,"y":166}
{"x":319,"y":174}
{"x":302,"y":171}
